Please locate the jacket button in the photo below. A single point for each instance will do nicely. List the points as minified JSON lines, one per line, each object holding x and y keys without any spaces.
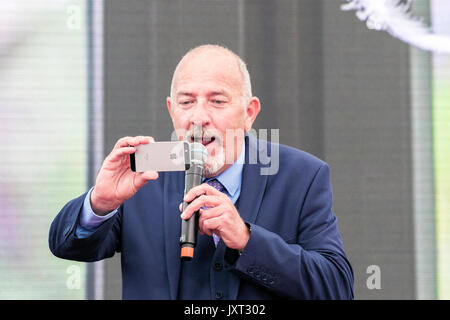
{"x":219,"y":295}
{"x":250,"y":270}
{"x":218,"y":266}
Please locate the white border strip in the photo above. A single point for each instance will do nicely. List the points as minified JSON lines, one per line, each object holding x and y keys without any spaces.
{"x":97,"y":135}
{"x":422,"y":169}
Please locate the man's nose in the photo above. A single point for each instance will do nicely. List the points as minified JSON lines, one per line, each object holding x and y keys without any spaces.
{"x":200,"y":114}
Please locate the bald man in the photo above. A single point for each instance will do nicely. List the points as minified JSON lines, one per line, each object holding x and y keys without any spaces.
{"x":261,"y":236}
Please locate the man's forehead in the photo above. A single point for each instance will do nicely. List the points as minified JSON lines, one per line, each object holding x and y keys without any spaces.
{"x":197,"y":84}
{"x":209,"y":63}
{"x":215,"y":55}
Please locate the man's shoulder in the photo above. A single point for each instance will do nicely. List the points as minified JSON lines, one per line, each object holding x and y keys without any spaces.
{"x":291,"y":156}
{"x":299,"y":154}
{"x":283,"y":162}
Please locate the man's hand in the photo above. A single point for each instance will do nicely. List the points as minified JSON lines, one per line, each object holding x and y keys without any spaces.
{"x":220,"y":217}
{"x":115,"y":181}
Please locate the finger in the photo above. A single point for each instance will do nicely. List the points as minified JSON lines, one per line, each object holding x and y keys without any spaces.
{"x":211,"y":226}
{"x":122,"y":142}
{"x":144,"y":139}
{"x":118,"y":154}
{"x":202,"y":201}
{"x":133,"y":141}
{"x":204,"y":188}
{"x":207,"y":214}
{"x":138,"y":140}
{"x":212,"y":212}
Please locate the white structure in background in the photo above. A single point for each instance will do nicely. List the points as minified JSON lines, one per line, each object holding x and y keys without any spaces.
{"x":395,"y":17}
{"x":18,"y":19}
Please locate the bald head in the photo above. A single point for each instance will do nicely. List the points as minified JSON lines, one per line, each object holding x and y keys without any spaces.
{"x":208,"y":57}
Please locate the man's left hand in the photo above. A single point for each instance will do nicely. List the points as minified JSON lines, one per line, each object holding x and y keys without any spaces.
{"x":219,"y":217}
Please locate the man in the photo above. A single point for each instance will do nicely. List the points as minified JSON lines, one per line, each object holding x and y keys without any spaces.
{"x":261,"y":236}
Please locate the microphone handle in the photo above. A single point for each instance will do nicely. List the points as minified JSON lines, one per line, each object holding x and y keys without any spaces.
{"x":189,"y":228}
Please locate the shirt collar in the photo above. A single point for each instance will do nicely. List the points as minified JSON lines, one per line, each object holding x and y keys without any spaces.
{"x":231,"y":178}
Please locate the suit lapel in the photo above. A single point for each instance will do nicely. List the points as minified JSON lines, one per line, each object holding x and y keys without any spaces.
{"x":253,"y":183}
{"x":252,"y":191}
{"x":173,"y":195}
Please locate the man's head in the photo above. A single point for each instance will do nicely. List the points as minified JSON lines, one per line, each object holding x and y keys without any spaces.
{"x":211,"y":87}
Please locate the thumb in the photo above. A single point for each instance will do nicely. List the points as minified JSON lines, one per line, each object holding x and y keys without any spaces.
{"x":142,"y":178}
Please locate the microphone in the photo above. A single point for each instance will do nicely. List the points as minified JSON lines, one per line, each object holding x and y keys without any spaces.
{"x":193,"y":178}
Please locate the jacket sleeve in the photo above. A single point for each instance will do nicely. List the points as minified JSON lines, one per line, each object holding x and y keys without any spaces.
{"x":314,"y":265}
{"x":101,"y":244}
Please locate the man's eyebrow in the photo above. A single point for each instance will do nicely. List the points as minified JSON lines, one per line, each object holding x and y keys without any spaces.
{"x":212,"y":93}
{"x":185,"y":93}
{"x":220,"y":92}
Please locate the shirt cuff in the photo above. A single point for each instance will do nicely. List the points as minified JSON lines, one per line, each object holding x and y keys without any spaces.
{"x":88,"y":218}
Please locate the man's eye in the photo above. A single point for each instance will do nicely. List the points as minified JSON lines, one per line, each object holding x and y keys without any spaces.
{"x":185,"y":103}
{"x":218,"y":102}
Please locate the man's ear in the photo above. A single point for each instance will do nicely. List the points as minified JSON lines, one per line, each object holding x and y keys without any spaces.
{"x":251,"y":112}
{"x":170,"y":109}
{"x":169,"y":106}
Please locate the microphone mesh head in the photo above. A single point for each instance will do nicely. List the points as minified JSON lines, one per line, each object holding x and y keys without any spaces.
{"x":198,"y":152}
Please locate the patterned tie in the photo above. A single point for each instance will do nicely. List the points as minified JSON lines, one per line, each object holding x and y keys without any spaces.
{"x":218,"y":186}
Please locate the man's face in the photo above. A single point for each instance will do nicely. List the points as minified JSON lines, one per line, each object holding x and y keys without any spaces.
{"x":208,"y":92}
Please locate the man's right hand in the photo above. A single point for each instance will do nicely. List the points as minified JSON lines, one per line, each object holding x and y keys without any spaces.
{"x":115,"y":181}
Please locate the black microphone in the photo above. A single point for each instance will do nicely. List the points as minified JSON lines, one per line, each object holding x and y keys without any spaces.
{"x":193,"y":178}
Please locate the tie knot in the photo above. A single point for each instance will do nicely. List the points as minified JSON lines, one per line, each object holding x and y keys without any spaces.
{"x":216,"y":184}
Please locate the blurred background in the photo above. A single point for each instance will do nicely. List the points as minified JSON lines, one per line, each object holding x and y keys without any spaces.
{"x":76,"y":75}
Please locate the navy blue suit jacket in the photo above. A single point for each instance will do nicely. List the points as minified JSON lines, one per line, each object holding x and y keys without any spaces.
{"x":294,"y":251}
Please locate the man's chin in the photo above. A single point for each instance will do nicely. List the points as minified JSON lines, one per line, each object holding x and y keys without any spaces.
{"x":209,"y":172}
{"x":212,"y":168}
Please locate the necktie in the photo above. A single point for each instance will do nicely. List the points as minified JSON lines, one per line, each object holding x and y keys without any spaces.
{"x":217,"y":185}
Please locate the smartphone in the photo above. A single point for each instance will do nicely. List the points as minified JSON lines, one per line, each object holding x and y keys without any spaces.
{"x":161,"y":156}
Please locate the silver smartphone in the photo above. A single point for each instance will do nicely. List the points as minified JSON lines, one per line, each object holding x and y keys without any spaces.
{"x":161,"y":156}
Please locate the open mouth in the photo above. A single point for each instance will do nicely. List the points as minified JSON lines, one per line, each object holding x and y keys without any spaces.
{"x":205,"y":140}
